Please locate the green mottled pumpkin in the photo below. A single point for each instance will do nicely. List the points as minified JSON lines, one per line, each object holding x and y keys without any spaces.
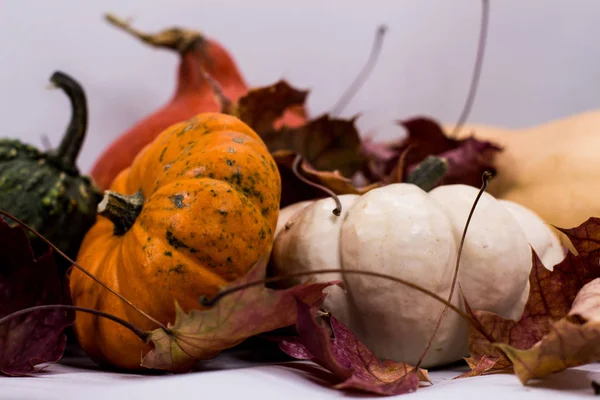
{"x":45,"y":189}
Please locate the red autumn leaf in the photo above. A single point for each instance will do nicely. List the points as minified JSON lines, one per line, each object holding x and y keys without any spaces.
{"x":330,"y":146}
{"x":467,"y":158}
{"x":203,"y":334}
{"x":571,"y":342}
{"x":260,"y":108}
{"x":467,"y":162}
{"x":37,"y":337}
{"x":347,"y":358}
{"x":327,"y":143}
{"x":551,"y":296}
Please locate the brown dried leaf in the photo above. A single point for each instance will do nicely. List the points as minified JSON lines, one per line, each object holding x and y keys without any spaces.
{"x":347,"y":358}
{"x":550,"y":299}
{"x":203,"y":334}
{"x":327,"y":143}
{"x":572,"y":341}
{"x":329,"y":146}
{"x":294,"y":190}
{"x":261,"y":107}
{"x":586,"y":240}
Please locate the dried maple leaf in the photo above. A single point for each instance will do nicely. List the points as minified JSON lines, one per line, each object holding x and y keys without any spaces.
{"x":585,"y":238}
{"x":294,"y":190}
{"x":327,"y":143}
{"x":347,"y":358}
{"x":467,"y":158}
{"x":203,"y":334}
{"x":572,"y":341}
{"x":37,"y":337}
{"x":550,"y":298}
{"x":261,"y":107}
{"x":329,"y":146}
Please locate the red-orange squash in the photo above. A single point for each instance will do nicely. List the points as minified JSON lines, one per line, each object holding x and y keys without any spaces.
{"x":197,"y":208}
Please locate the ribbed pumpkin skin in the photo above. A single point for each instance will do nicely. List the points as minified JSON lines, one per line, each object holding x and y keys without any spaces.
{"x":52,"y":198}
{"x":212,"y":194}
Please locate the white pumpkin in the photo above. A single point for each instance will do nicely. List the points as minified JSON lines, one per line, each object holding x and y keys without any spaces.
{"x":403,"y":231}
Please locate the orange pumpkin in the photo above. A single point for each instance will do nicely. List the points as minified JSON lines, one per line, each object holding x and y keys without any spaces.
{"x":197,"y":208}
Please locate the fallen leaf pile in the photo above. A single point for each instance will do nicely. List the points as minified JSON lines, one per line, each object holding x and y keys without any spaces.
{"x":335,"y":156}
{"x":558,"y":328}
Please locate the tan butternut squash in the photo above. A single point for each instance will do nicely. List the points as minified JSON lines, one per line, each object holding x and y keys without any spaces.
{"x":552,"y":169}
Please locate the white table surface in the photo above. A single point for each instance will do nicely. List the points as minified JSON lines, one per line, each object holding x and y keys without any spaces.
{"x":237,"y":376}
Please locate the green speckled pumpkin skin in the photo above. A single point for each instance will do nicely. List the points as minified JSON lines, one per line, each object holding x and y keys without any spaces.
{"x":52,"y":198}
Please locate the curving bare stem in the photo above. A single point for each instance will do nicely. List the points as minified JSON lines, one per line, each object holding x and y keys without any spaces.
{"x":485,"y":14}
{"x":337,"y":211}
{"x":362,"y":76}
{"x":143,"y":335}
{"x":485,"y":179}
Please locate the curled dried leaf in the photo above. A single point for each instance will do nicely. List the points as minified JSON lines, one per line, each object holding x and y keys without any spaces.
{"x":572,"y":341}
{"x":347,"y":358}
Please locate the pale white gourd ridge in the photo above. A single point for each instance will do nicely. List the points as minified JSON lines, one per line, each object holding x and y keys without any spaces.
{"x":545,"y":243}
{"x":287,"y":212}
{"x":310,"y":242}
{"x":400,"y":231}
{"x":496,"y":257}
{"x":403,"y":231}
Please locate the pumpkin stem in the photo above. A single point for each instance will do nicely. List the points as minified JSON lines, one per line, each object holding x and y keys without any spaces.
{"x":485,"y":15}
{"x":337,"y":211}
{"x":363,"y":74}
{"x":178,"y":39}
{"x":225,"y":104}
{"x":428,"y":173}
{"x":485,"y":179}
{"x":121,"y":209}
{"x":143,"y":335}
{"x":69,"y":147}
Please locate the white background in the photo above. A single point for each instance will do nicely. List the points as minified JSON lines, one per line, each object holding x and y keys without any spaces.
{"x":542,"y":63}
{"x":542,"y":60}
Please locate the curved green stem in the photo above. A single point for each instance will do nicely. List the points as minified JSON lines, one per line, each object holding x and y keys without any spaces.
{"x":70,"y":146}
